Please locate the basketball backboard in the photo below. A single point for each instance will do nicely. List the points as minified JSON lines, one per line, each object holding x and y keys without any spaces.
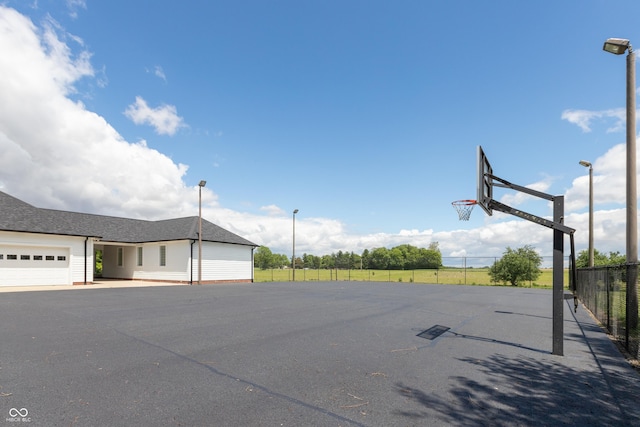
{"x":485,"y":182}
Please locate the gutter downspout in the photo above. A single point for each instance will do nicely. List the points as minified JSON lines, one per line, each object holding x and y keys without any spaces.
{"x":86,"y":239}
{"x":191,"y":264}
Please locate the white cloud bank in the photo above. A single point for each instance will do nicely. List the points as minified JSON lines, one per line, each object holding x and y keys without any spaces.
{"x":57,"y":154}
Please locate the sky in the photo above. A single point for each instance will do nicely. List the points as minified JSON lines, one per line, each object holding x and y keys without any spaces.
{"x":363,"y":115}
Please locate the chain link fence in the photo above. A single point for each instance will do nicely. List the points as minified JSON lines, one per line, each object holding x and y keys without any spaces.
{"x":455,"y":271}
{"x":603,"y":290}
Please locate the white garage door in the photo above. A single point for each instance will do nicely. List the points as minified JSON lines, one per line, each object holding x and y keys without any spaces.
{"x":31,"y":265}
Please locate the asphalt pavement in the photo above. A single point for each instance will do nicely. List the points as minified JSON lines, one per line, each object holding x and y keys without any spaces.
{"x":306,"y":354}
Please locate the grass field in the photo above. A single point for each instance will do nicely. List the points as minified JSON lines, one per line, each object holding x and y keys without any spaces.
{"x":448,"y":276}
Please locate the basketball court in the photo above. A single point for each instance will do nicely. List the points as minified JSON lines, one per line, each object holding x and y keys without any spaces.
{"x":322,"y":354}
{"x":317,"y":353}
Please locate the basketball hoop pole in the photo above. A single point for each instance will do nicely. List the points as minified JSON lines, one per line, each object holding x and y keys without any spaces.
{"x":485,"y":183}
{"x":558,"y":277}
{"x":559,"y":230}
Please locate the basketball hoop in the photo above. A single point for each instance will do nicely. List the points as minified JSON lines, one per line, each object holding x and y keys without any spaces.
{"x":464,"y":208}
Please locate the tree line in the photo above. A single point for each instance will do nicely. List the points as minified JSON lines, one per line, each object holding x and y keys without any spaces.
{"x":403,"y":257}
{"x":514,"y":267}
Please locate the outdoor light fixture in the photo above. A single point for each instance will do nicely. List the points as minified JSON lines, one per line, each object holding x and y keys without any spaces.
{"x":200,"y":185}
{"x":293,"y":257}
{"x":588,"y":165}
{"x":616,"y":46}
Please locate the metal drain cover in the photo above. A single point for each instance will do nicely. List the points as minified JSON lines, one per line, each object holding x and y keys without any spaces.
{"x":433,"y":332}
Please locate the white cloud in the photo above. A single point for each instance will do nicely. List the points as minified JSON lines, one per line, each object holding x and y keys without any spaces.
{"x":272,"y":210}
{"x":164,"y":118}
{"x":159,"y":72}
{"x":74,"y":5}
{"x":58,"y":154}
{"x":609,"y":181}
{"x":584,"y":118}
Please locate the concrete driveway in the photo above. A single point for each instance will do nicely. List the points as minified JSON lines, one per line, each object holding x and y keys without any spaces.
{"x":98,"y":284}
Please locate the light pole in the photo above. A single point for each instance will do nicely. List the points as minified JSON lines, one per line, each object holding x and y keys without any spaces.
{"x":618,"y":47}
{"x":590,"y":166}
{"x":293,"y":257}
{"x":200,"y":185}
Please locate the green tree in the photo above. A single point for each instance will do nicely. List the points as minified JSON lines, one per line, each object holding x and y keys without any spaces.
{"x":327,"y":261}
{"x":397,"y":258}
{"x":616,"y":258}
{"x":341,"y":260}
{"x":299,"y":263}
{"x":516,"y":266}
{"x":429,"y":258}
{"x":582,"y":260}
{"x":280,"y":261}
{"x":379,"y":259}
{"x":599,"y":259}
{"x":263,"y":258}
{"x":311,"y":261}
{"x":98,"y":265}
{"x":366,"y":256}
{"x":355,"y":260}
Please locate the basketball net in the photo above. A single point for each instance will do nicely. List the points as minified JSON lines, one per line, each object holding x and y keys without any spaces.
{"x":464,"y":208}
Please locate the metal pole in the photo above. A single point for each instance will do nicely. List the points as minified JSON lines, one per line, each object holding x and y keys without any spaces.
{"x":587,"y":164}
{"x":199,"y":234}
{"x":591,"y":253}
{"x":632,"y":202}
{"x":201,"y":184}
{"x":293,"y":257}
{"x":558,"y":277}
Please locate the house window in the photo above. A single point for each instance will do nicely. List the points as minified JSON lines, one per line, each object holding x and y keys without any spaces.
{"x":50,"y":258}
{"x":1,"y":256}
{"x":163,"y":256}
{"x":37,"y":257}
{"x":140,"y":256}
{"x":12,"y":256}
{"x":62,"y":258}
{"x":25,"y":257}
{"x":120,"y":257}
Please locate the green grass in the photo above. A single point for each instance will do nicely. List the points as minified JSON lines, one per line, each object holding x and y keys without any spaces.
{"x":449,"y":276}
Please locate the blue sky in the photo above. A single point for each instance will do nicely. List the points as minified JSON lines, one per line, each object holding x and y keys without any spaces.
{"x":364,"y":115}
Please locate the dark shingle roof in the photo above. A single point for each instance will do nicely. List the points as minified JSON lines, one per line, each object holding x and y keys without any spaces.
{"x":16,"y":215}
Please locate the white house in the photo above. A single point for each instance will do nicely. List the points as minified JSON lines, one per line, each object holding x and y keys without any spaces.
{"x":52,"y":247}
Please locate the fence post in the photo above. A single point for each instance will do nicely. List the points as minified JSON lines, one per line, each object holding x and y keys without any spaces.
{"x":464,"y":263}
{"x":607,"y":284}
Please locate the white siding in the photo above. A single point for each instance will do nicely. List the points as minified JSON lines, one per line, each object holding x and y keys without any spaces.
{"x":66,"y":268}
{"x":221,"y":262}
{"x":110,"y":267}
{"x":224,"y":262}
{"x":176,"y":268}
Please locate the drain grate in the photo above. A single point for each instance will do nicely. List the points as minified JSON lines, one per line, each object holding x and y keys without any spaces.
{"x":433,"y":332}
